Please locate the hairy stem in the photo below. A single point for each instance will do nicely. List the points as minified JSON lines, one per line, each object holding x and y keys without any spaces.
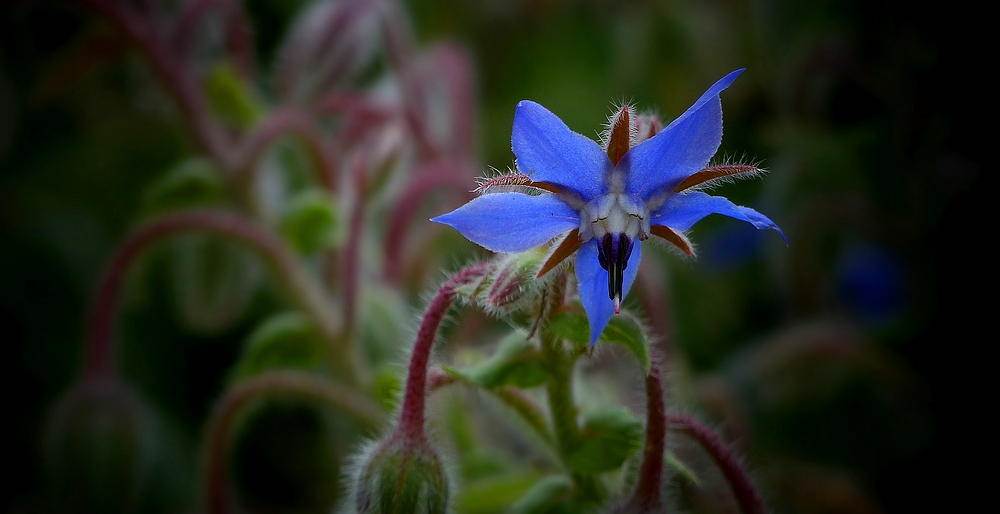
{"x":99,"y":359}
{"x":174,"y":76}
{"x":411,"y":419}
{"x":646,"y":497}
{"x":744,"y":491}
{"x":302,"y":385}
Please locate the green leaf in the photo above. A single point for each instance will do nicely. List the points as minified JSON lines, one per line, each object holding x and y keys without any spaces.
{"x":626,"y":331}
{"x":230,"y":98}
{"x":517,"y":362}
{"x":285,"y":341}
{"x":607,"y":439}
{"x":680,"y":467}
{"x":494,"y":494}
{"x":193,"y":183}
{"x":312,"y":222}
{"x":571,"y":325}
{"x":545,"y":497}
{"x":214,"y":281}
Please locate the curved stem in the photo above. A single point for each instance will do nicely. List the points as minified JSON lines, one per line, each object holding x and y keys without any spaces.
{"x":223,"y":418}
{"x":99,"y":359}
{"x":646,"y":497}
{"x":744,"y":491}
{"x":174,"y":77}
{"x":279,"y":123}
{"x":430,"y":178}
{"x":352,"y":250}
{"x":411,"y":419}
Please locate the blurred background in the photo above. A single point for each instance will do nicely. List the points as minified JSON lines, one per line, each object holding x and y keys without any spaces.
{"x":840,"y":366}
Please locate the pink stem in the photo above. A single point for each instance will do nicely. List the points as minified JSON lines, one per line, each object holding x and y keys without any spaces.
{"x":432,"y":177}
{"x":278,"y":124}
{"x":454,"y":65}
{"x":744,"y":491}
{"x":646,"y":497}
{"x":99,"y":354}
{"x":352,"y":249}
{"x":411,"y":419}
{"x":176,"y":78}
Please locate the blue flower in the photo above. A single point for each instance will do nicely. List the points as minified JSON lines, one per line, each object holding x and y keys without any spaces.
{"x":607,"y":200}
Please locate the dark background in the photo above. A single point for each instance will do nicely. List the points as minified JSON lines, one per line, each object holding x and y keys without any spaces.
{"x":869,"y":116}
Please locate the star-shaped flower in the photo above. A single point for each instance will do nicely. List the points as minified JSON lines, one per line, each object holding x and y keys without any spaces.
{"x":607,"y":200}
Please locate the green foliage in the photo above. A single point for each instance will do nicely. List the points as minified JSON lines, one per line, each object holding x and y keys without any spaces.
{"x":312,"y":222}
{"x":284,"y":341}
{"x":548,"y":495}
{"x":571,"y":325}
{"x":193,"y":183}
{"x":607,"y":439}
{"x":230,"y":97}
{"x":214,"y":281}
{"x":494,"y":493}
{"x":517,"y":362}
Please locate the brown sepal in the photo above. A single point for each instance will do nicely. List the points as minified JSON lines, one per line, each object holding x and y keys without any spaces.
{"x":674,"y":237}
{"x":620,"y":135}
{"x":715,"y":173}
{"x":567,"y":247}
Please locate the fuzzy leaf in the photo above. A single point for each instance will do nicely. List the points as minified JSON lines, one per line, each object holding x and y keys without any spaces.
{"x":571,"y":325}
{"x":192,"y":183}
{"x":517,"y":362}
{"x":545,"y":497}
{"x":681,"y":468}
{"x":230,"y":98}
{"x":285,"y":341}
{"x":493,"y":494}
{"x":608,"y":438}
{"x":312,"y":222}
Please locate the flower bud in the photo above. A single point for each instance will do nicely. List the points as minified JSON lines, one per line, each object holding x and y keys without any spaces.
{"x":97,"y":448}
{"x":402,"y":476}
{"x":512,"y":283}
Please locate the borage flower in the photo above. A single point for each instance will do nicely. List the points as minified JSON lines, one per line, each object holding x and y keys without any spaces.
{"x":606,"y":200}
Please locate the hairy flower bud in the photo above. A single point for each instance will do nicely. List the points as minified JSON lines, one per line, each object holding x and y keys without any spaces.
{"x":401,"y":476}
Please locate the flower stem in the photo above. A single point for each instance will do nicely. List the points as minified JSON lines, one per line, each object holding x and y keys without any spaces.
{"x":429,"y":178}
{"x":559,"y":388}
{"x":221,"y":424}
{"x":411,"y":418}
{"x":176,"y":78}
{"x":99,"y":355}
{"x":279,"y":123}
{"x":744,"y":491}
{"x":646,"y":497}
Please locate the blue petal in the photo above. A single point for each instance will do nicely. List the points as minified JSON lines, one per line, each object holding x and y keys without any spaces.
{"x":548,"y":151}
{"x":511,"y":222}
{"x":679,"y":150}
{"x":681,"y":211}
{"x":592,"y":284}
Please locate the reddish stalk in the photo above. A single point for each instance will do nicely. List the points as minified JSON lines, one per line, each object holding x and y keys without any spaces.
{"x":237,"y":398}
{"x":744,"y":491}
{"x":174,"y":77}
{"x":411,"y":419}
{"x":99,"y":354}
{"x":352,"y":250}
{"x":646,"y":497}
{"x":279,"y":123}
{"x":431,"y":177}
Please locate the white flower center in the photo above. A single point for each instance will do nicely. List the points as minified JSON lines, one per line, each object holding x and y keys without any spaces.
{"x":615,"y":213}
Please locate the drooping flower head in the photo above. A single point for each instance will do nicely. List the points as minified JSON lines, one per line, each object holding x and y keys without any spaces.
{"x":606,"y":200}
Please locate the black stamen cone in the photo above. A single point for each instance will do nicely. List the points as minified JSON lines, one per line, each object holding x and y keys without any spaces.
{"x":613,"y":254}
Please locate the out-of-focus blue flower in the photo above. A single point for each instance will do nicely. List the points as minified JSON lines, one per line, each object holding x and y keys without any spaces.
{"x":608,"y":199}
